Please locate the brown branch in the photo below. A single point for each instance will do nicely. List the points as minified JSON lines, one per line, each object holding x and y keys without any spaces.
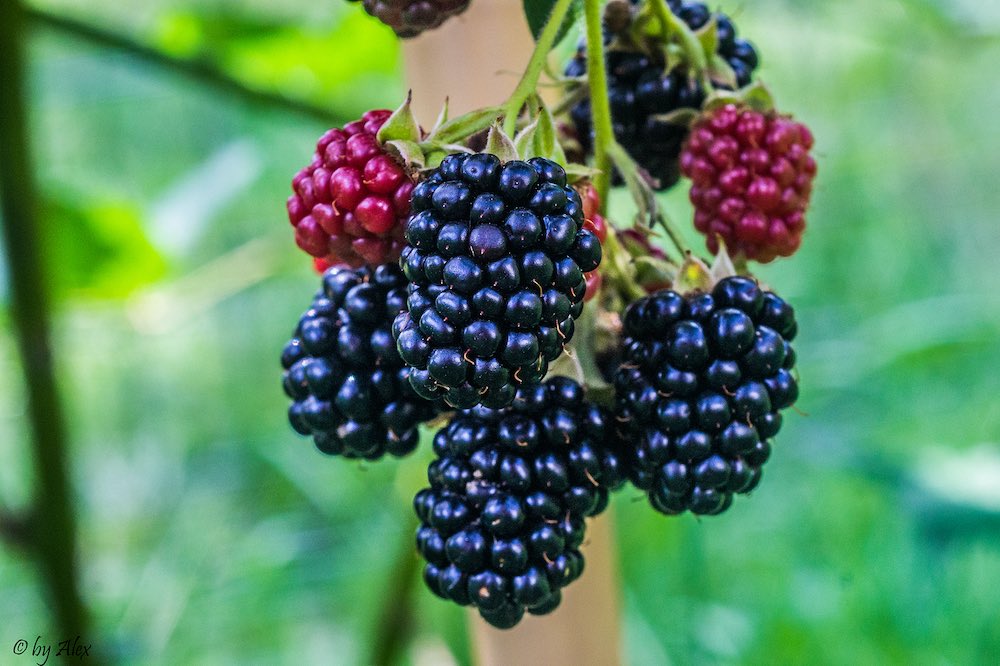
{"x":199,"y":69}
{"x":394,"y":624}
{"x":54,"y":540}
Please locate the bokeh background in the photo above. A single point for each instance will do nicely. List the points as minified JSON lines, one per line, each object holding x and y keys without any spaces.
{"x":165,"y":134}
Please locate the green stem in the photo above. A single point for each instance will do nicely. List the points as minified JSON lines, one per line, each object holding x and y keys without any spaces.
{"x":689,"y":41}
{"x":53,"y":525}
{"x":618,"y":270}
{"x":529,"y":80}
{"x":644,"y":196}
{"x":600,"y":105}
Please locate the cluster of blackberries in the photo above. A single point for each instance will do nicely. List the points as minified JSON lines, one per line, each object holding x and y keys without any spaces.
{"x":641,"y":88}
{"x":503,"y":518}
{"x":699,"y":392}
{"x":347,"y":382}
{"x":409,"y":18}
{"x":496,"y":255}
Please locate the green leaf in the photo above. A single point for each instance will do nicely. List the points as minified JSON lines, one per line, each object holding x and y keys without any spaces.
{"x":464,"y":126}
{"x":407,"y":152}
{"x":96,"y":250}
{"x":548,"y":143}
{"x":500,"y":144}
{"x":525,"y":142}
{"x":401,"y":125}
{"x":537,"y":13}
{"x":721,"y":72}
{"x":708,"y":36}
{"x":577,"y":172}
{"x":683,"y":116}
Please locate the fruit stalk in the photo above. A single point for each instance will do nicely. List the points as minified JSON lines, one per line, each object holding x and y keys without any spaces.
{"x":529,"y":80}
{"x":597,"y":78}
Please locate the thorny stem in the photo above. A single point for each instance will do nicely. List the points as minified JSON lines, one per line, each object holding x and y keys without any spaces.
{"x":600,"y":105}
{"x":529,"y":80}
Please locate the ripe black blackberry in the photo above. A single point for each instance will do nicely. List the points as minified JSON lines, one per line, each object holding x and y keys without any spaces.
{"x":639,"y":88}
{"x":503,"y":518}
{"x":409,"y":18}
{"x":496,"y":255}
{"x":347,"y":382}
{"x":699,"y":394}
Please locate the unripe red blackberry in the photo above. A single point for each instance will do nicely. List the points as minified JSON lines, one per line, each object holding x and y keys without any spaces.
{"x":503,"y":518}
{"x":594,"y":222}
{"x":640,"y":88}
{"x":751,"y":179}
{"x":496,"y":255}
{"x":348,"y":386}
{"x":700,"y":390}
{"x":409,"y":18}
{"x":351,"y":201}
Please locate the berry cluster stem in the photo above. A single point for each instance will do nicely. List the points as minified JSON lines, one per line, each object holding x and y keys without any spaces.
{"x":529,"y":80}
{"x":600,"y":104}
{"x":617,"y":269}
{"x":689,"y":42}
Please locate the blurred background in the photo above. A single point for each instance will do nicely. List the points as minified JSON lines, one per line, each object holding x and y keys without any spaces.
{"x":164,"y":135}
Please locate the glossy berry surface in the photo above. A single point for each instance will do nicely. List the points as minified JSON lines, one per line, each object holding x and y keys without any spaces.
{"x":700,"y":391}
{"x":496,"y":256}
{"x":503,"y":519}
{"x":350,"y":202}
{"x":640,"y":87}
{"x":409,"y":18}
{"x":348,"y":385}
{"x":751,"y":180}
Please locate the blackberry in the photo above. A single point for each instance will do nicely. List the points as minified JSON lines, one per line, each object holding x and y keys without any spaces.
{"x":640,"y":87}
{"x":351,"y":200}
{"x":496,"y":255}
{"x":503,"y":519}
{"x":409,"y":18}
{"x":700,"y":391}
{"x":347,"y":383}
{"x":751,"y":179}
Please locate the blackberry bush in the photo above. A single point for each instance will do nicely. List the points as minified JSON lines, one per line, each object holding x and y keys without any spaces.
{"x":348,"y":385}
{"x":350,"y":202}
{"x":503,"y":518}
{"x":699,"y":393}
{"x":496,"y":255}
{"x":751,"y":179}
{"x":641,"y":87}
{"x":409,"y":18}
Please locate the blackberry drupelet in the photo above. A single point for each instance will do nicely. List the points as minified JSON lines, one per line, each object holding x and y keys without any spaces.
{"x":496,"y":256}
{"x":503,"y":518}
{"x":409,"y":18}
{"x":751,"y":179}
{"x":350,"y":202}
{"x":639,"y":88}
{"x":699,"y":393}
{"x":347,"y":382}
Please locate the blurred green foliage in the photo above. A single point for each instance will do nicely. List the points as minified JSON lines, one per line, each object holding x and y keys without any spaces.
{"x":211,"y":534}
